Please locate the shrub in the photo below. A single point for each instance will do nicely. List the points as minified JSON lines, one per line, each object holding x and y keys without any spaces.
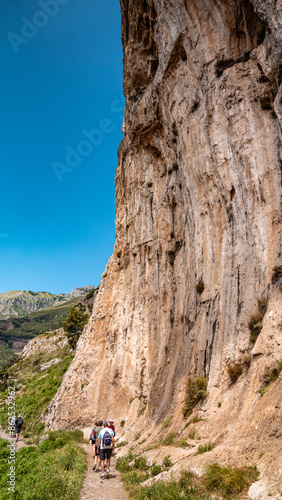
{"x":203,"y":448}
{"x":167,"y":422}
{"x":141,"y":463}
{"x":137,"y":436}
{"x":131,"y":400}
{"x":141,"y":412}
{"x":234,"y":371}
{"x":155,"y":470}
{"x":255,"y":322}
{"x":121,"y":443}
{"x":167,"y":462}
{"x":169,"y":439}
{"x":194,"y":420}
{"x":122,"y":423}
{"x":276,"y":274}
{"x":200,"y":286}
{"x":247,"y":359}
{"x":122,"y":464}
{"x":183,"y":443}
{"x":229,"y":480}
{"x":195,"y":392}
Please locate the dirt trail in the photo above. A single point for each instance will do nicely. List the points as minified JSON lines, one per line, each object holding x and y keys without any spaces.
{"x":97,"y":489}
{"x":19,"y":444}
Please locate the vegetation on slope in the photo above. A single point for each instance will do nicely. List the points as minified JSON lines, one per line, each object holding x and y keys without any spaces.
{"x":48,"y":319}
{"x":54,"y":470}
{"x":7,"y":356}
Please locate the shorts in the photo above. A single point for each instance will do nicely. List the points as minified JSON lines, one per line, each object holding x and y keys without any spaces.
{"x":18,"y":430}
{"x":97,"y":451}
{"x":92,"y":441}
{"x":106,"y":454}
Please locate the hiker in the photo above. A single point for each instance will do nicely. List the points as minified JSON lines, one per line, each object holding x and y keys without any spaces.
{"x":19,"y":424}
{"x":111,"y":426}
{"x":97,"y":449}
{"x":106,"y":442}
{"x":92,"y":438}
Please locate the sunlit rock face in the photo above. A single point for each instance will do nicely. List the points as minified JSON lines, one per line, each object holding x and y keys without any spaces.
{"x":198,"y":189}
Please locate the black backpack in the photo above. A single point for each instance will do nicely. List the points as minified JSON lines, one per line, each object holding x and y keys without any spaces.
{"x":20,"y":422}
{"x":107,"y":440}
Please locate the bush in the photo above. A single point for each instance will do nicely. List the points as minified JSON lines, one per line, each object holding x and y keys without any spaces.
{"x":122,"y":423}
{"x":121,"y":443}
{"x":137,"y":436}
{"x":192,"y":433}
{"x":155,"y":470}
{"x":255,"y":322}
{"x":203,"y":448}
{"x":167,"y":462}
{"x":74,"y":324}
{"x":229,"y":480}
{"x":234,"y":371}
{"x":195,"y":392}
{"x":141,"y":463}
{"x":200,"y":286}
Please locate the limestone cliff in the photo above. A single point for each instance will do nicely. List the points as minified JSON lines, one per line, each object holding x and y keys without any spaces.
{"x":198,"y":189}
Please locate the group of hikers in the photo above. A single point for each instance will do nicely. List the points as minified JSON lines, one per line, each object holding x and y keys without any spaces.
{"x":102,"y":439}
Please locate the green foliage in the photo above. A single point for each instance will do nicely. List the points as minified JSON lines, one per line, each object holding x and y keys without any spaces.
{"x":200,"y":286}
{"x":194,"y":420}
{"x":255,"y":322}
{"x":192,"y":433}
{"x":74,"y":324}
{"x":167,"y":421}
{"x":203,"y":448}
{"x":155,"y":469}
{"x":38,"y":390}
{"x":234,"y":371}
{"x":195,"y":392}
{"x":142,"y":411}
{"x":121,"y":443}
{"x":122,"y":423}
{"x":48,"y":319}
{"x":141,"y":463}
{"x":270,"y":377}
{"x":229,"y":480}
{"x":169,"y":439}
{"x":7,"y":358}
{"x":137,"y":436}
{"x":167,"y":462}
{"x":58,"y":439}
{"x":53,"y":474}
{"x":183,"y":443}
{"x":131,"y":400}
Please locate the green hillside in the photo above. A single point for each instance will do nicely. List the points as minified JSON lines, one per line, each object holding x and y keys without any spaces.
{"x":47,"y":319}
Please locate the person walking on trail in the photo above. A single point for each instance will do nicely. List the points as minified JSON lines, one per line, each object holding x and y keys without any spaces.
{"x":19,"y":422}
{"x":106,"y":442}
{"x":111,"y":426}
{"x":93,"y":438}
{"x":97,"y":461}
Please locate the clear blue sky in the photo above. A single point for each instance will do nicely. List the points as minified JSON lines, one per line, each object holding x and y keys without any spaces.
{"x":61,"y":74}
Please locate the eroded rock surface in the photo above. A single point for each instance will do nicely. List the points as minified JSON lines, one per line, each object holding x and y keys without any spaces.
{"x":198,"y":189}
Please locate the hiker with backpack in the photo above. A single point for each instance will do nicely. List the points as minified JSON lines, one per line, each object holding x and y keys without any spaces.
{"x":106,"y":442}
{"x":98,"y":428}
{"x":19,"y":422}
{"x":92,"y":438}
{"x":111,"y":426}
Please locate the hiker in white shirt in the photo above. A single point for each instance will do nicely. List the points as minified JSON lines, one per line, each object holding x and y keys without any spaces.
{"x":106,"y":442}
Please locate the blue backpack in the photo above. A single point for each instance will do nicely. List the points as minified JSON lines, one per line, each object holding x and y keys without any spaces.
{"x":107,"y":440}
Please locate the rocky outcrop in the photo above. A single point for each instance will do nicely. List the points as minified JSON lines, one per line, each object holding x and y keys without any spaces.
{"x":18,"y":303}
{"x":198,"y":227}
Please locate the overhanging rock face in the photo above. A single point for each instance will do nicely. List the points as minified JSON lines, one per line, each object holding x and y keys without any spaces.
{"x":198,"y":189}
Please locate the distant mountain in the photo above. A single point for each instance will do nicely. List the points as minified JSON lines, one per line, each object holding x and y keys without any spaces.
{"x":19,"y":303}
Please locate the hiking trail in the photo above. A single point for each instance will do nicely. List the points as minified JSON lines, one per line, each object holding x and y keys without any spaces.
{"x":95,"y":488}
{"x":19,"y":444}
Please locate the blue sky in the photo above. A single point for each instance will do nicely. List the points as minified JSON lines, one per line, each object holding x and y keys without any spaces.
{"x":61,"y":74}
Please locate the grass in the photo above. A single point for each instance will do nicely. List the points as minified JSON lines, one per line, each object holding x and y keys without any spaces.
{"x":234,"y":371}
{"x":155,"y":470}
{"x":141,"y":412}
{"x":270,"y":377}
{"x":167,"y":463}
{"x":195,"y":393}
{"x":56,"y":473}
{"x":7,"y":357}
{"x":192,"y":433}
{"x":121,"y":443}
{"x":193,"y":420}
{"x":169,"y":439}
{"x":137,"y":436}
{"x":38,"y":389}
{"x":229,"y":481}
{"x":122,"y":423}
{"x":166,"y":422}
{"x":224,"y":481}
{"x":203,"y":448}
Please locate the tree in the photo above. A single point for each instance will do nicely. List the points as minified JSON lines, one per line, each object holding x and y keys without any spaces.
{"x":74,"y":324}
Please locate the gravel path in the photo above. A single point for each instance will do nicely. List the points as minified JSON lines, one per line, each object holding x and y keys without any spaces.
{"x":19,"y":444}
{"x":97,"y":489}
